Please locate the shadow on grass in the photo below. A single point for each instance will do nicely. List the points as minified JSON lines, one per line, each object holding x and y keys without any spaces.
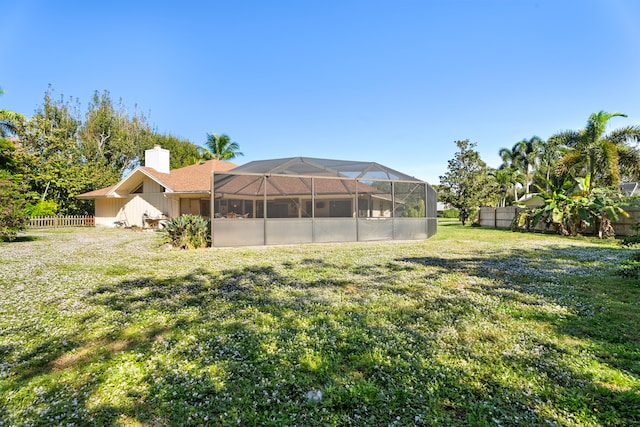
{"x":22,"y":239}
{"x":248,"y":344}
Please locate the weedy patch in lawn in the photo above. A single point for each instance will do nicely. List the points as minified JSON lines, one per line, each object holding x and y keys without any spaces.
{"x":472,"y":327}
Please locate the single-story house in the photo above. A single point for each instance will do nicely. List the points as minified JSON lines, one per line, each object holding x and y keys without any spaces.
{"x":278,"y":201}
{"x":153,"y":192}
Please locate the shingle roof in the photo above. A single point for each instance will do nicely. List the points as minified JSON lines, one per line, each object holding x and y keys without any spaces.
{"x":194,"y":178}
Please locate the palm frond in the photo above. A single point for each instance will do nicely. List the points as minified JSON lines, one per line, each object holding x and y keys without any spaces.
{"x":10,"y":122}
{"x":597,"y":124}
{"x":566,"y":138}
{"x":629,"y":160}
{"x":628,"y":135}
{"x":568,"y":162}
{"x":609,"y":168}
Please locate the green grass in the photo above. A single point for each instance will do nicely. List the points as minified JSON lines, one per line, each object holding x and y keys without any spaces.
{"x":472,"y":327}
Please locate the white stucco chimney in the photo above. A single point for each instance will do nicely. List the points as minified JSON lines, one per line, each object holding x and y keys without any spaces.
{"x":157,"y":158}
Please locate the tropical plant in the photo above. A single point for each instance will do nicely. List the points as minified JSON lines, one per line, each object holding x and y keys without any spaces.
{"x":523,"y":156}
{"x":550,"y":152}
{"x":188,"y":231}
{"x":528,"y":154}
{"x":220,"y":147}
{"x":604,"y":157}
{"x":508,"y":179}
{"x":575,"y":207}
{"x":604,"y":206}
{"x":10,"y":123}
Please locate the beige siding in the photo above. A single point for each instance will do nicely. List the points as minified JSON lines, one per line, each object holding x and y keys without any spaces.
{"x":152,"y":205}
{"x":150,"y":186}
{"x":107,"y":211}
{"x":130,"y":210}
{"x":381,"y":208}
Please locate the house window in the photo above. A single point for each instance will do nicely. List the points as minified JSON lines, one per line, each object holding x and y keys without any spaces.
{"x":139,"y":189}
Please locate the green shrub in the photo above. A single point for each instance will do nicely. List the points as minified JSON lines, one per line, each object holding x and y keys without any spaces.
{"x":631,"y":241}
{"x":42,"y":208}
{"x":631,"y":268}
{"x":449,"y":213}
{"x":188,"y":232}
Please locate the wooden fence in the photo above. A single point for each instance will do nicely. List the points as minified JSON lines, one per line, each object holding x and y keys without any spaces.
{"x":503,"y":217}
{"x":61,"y":221}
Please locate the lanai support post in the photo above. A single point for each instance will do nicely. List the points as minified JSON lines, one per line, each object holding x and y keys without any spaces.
{"x":212,"y":204}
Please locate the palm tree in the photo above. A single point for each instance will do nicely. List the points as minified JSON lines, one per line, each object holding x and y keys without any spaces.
{"x":10,"y":122}
{"x":604,"y":158}
{"x":528,"y":156}
{"x":508,"y":179}
{"x":221,"y":148}
{"x":550,"y":153}
{"x":523,"y":156}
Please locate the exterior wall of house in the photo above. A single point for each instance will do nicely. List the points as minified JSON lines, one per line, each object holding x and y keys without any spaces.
{"x":151,"y":187}
{"x":107,"y":211}
{"x":130,"y":210}
{"x":152,"y":205}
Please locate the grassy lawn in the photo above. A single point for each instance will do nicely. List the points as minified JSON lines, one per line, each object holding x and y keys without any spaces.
{"x":472,"y":327}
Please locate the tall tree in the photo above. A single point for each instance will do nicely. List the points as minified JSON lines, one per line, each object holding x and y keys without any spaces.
{"x":528,"y":154}
{"x":602,"y":157}
{"x":183,"y":152}
{"x":508,"y":179}
{"x":221,"y":148}
{"x":112,"y":139}
{"x":509,"y":173}
{"x":50,"y":154}
{"x":12,"y":188}
{"x":524,"y":156}
{"x":550,"y":153}
{"x":467,"y":184}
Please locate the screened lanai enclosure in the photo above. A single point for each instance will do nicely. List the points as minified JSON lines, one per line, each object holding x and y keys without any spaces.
{"x":307,"y":200}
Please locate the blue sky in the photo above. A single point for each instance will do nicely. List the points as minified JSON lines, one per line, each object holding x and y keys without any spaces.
{"x":396,"y":82}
